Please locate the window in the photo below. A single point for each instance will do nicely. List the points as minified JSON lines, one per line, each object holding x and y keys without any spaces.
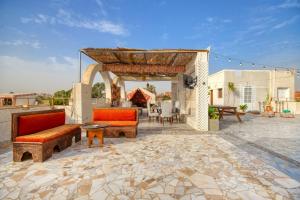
{"x":283,"y":94}
{"x":247,"y":94}
{"x":7,"y":102}
{"x":220,"y":93}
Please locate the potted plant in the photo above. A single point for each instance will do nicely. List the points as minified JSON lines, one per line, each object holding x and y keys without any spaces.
{"x":213,"y":119}
{"x":243,"y":107}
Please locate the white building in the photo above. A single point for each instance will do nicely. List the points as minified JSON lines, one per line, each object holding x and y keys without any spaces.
{"x":252,"y":87}
{"x":17,"y":99}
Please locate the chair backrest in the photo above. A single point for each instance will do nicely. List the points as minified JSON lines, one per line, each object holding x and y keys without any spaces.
{"x":177,"y":104}
{"x":126,"y":104}
{"x":115,"y":114}
{"x":148,"y":107}
{"x":166,"y":108}
{"x":177,"y":107}
{"x":26,"y":123}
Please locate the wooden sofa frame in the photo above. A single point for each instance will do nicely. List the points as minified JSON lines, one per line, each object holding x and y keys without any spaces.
{"x":40,"y":151}
{"x":115,"y":131}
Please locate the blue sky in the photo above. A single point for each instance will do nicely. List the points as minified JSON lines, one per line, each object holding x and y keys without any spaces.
{"x":39,"y":40}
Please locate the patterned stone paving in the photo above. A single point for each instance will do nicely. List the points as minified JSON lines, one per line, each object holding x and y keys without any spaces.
{"x":171,"y":162}
{"x":274,"y":140}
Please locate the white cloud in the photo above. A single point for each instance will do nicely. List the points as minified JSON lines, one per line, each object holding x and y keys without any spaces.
{"x":286,"y":22}
{"x":66,"y":18}
{"x":287,"y":4}
{"x":33,"y":44}
{"x":101,"y":7}
{"x":46,"y":75}
{"x":38,"y":19}
{"x":210,"y":19}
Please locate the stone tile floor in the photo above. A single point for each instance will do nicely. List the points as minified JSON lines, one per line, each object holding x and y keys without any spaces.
{"x":170,"y":162}
{"x":274,"y":140}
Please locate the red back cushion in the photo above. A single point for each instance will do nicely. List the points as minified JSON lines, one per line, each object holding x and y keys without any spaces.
{"x":114,"y":115}
{"x":29,"y":124}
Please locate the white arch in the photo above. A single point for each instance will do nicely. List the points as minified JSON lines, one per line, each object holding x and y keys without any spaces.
{"x":89,"y":76}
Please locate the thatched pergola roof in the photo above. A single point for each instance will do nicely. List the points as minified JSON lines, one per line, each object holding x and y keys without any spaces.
{"x":140,"y":62}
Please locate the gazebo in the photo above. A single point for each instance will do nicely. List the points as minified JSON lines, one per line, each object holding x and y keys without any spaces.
{"x":147,"y":65}
{"x":140,"y":97}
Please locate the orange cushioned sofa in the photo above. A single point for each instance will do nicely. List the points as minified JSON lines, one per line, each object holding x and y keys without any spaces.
{"x":120,"y":120}
{"x":40,"y":133}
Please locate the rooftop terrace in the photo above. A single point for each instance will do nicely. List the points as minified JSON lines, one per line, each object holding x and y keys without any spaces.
{"x":243,"y":161}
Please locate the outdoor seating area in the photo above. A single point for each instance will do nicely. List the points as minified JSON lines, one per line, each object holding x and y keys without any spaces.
{"x":40,"y":133}
{"x":119,"y":120}
{"x":165,"y":162}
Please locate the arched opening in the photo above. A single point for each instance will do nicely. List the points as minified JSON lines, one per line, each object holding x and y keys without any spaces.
{"x":98,"y":93}
{"x":56,"y":149}
{"x":26,"y":156}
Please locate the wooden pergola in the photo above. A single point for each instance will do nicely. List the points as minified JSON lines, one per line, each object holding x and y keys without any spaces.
{"x":147,"y":65}
{"x":141,"y":64}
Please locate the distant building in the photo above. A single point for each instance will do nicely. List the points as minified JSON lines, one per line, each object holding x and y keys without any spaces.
{"x":252,"y":87}
{"x":17,"y":99}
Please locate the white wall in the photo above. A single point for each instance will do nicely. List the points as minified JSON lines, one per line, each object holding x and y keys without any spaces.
{"x":262,"y":82}
{"x":215,"y":82}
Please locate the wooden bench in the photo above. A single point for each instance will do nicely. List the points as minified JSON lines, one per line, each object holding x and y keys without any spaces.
{"x":40,"y":133}
{"x":120,"y":121}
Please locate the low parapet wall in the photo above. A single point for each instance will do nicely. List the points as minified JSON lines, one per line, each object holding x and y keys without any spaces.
{"x":5,"y":118}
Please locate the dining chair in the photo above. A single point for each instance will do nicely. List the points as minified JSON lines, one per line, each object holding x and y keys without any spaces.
{"x":152,"y":113}
{"x":166,"y":112}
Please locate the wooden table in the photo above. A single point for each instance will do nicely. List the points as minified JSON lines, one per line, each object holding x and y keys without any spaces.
{"x":227,"y":110}
{"x":93,"y":130}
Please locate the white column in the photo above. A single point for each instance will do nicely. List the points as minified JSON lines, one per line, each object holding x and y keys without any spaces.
{"x":201,"y":71}
{"x":181,"y":94}
{"x":108,"y":83}
{"x":81,"y":110}
{"x":174,"y":91}
{"x":122,"y":90}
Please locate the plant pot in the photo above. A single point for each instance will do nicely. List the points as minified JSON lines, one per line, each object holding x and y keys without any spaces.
{"x":214,"y":124}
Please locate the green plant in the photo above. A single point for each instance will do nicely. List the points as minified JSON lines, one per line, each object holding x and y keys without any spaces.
{"x":231,"y":91}
{"x":213,"y":113}
{"x":243,"y":107}
{"x":268,"y":100}
{"x":166,"y":97}
{"x":231,"y":86}
{"x":98,"y":90}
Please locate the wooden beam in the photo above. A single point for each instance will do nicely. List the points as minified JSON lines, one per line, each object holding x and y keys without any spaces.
{"x":145,"y":58}
{"x":131,"y":58}
{"x":144,"y":69}
{"x":173,"y":59}
{"x":116,"y":56}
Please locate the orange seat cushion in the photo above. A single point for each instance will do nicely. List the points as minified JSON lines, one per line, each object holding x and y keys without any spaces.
{"x":114,"y":115}
{"x":48,"y":135}
{"x":119,"y":123}
{"x":34,"y":123}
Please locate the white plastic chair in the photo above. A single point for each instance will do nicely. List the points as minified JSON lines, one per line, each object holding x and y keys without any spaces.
{"x":166,"y":112}
{"x":151,"y":113}
{"x":126,"y":104}
{"x":176,"y":111}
